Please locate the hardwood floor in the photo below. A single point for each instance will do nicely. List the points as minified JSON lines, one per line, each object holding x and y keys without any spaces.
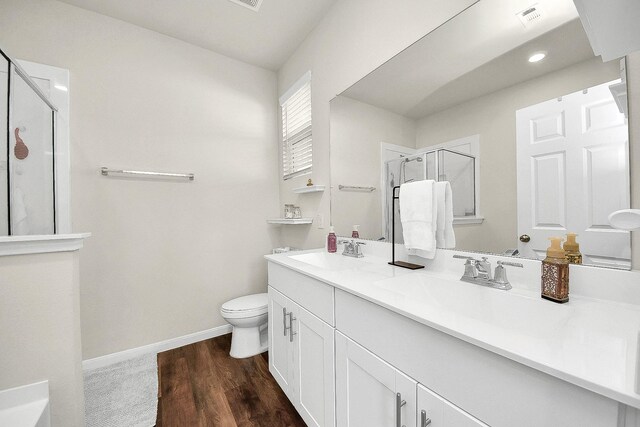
{"x":201,"y":385}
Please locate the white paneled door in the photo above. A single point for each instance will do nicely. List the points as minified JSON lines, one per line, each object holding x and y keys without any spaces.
{"x":368,"y":389}
{"x":280,"y":350}
{"x":573,"y":171}
{"x":314,"y":369}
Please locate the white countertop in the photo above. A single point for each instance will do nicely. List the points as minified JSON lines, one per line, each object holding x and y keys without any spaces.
{"x":588,"y":342}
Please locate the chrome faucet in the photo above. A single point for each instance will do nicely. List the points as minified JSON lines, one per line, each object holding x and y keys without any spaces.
{"x":352,"y":248}
{"x":479,"y":272}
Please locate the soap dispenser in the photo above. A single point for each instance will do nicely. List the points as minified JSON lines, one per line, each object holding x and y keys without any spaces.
{"x":355,"y":233}
{"x":555,"y":273}
{"x":572,"y":249}
{"x":332,"y":241}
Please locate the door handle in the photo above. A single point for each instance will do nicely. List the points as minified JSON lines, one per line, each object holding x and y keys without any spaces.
{"x":525,"y":238}
{"x":399,"y":404}
{"x":291,"y":333}
{"x":424,"y":421}
{"x":284,"y":320}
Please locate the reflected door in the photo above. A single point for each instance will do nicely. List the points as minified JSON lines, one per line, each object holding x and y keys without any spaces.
{"x":573,"y":171}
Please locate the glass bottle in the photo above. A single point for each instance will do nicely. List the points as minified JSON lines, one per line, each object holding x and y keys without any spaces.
{"x":572,"y":249}
{"x":288,"y":211}
{"x":555,"y":273}
{"x":355,"y":233}
{"x":332,"y":241}
{"x":297,"y":213}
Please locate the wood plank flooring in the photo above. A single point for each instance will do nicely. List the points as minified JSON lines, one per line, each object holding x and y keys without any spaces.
{"x":201,"y":385}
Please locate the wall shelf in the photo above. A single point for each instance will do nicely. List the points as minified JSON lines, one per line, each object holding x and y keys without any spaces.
{"x":309,"y":189}
{"x":295,"y":221}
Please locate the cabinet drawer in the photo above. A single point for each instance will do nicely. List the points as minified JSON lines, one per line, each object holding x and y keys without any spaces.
{"x":314,"y":295}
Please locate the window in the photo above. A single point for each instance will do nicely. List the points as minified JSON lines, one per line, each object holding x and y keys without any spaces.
{"x":296,"y":129}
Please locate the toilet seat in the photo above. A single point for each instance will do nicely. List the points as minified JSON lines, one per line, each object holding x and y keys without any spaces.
{"x":246,"y":306}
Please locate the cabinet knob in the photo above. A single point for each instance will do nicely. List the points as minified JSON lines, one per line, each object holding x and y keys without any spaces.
{"x":525,"y":238}
{"x":284,"y":320}
{"x":424,"y":421}
{"x":291,"y":333}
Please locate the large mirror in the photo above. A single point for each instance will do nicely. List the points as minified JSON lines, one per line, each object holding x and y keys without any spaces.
{"x":514,"y":110}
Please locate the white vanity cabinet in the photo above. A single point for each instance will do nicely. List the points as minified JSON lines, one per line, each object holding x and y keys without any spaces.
{"x":387,"y":365}
{"x":369,"y":391}
{"x":301,"y":353}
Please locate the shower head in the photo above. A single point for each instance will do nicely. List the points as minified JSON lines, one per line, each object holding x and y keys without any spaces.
{"x":417,"y":159}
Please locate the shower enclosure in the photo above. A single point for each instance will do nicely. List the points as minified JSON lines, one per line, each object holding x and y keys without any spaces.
{"x":27,"y":147}
{"x":439,"y":165}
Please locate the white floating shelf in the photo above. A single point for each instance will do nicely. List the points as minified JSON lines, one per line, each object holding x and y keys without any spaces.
{"x":296,"y":221}
{"x":309,"y":189}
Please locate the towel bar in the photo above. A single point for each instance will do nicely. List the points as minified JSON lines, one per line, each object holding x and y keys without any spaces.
{"x":107,"y":171}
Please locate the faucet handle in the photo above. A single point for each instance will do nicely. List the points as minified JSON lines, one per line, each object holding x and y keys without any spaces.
{"x":512,"y":264}
{"x":470,"y":268}
{"x":500,"y":276}
{"x":464,"y":257}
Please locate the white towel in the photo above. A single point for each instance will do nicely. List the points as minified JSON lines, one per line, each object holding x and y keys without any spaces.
{"x":418,"y":214}
{"x":445,"y":237}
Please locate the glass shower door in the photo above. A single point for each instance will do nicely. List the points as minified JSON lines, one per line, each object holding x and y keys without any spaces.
{"x":31,"y":161}
{"x":4,"y":152}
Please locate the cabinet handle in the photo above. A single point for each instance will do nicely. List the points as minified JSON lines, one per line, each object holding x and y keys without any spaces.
{"x":399,"y":404}
{"x":284,"y":320}
{"x":291,"y":333}
{"x":424,"y":421}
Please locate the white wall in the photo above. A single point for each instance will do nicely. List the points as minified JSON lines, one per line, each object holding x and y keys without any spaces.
{"x":493,"y":118}
{"x":40,"y":329}
{"x":164,"y":255}
{"x":354,"y":38}
{"x":357,"y":129}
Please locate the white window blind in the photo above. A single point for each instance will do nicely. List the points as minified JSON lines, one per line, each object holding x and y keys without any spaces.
{"x":297,"y":149}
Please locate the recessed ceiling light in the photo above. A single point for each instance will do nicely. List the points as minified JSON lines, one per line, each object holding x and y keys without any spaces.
{"x":60,"y":87}
{"x":537,"y":57}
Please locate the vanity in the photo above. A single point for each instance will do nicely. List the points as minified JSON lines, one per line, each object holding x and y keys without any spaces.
{"x":359,"y":342}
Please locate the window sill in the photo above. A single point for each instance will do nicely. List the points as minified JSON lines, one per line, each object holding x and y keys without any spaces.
{"x":468,"y":220}
{"x":21,"y":245}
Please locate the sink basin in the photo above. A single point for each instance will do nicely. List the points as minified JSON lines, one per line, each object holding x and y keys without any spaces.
{"x":329,"y":261}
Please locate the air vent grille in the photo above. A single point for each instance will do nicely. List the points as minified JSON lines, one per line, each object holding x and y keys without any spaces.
{"x":530,"y":16}
{"x":250,"y":4}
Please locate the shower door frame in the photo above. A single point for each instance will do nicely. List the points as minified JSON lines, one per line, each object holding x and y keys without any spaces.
{"x":59,"y":79}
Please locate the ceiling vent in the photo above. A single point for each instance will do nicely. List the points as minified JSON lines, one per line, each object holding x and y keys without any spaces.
{"x":530,"y":16}
{"x":250,"y":4}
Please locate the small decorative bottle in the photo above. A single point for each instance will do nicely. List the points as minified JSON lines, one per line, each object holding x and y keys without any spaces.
{"x":355,"y":234}
{"x":572,"y":249}
{"x":332,"y":241}
{"x":555,"y":273}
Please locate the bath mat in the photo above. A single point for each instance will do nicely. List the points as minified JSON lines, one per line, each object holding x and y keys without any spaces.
{"x":122,"y":394}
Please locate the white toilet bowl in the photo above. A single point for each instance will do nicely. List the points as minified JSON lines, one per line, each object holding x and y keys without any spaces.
{"x":248,"y":316}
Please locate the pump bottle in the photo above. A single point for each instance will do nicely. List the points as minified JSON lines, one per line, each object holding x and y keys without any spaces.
{"x":555,"y":273}
{"x":572,"y":249}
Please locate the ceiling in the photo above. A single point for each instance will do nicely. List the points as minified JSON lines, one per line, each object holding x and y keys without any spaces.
{"x":265,"y":38}
{"x":482,"y":50}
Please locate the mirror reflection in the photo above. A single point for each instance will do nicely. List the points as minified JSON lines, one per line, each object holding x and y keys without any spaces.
{"x":525,"y":123}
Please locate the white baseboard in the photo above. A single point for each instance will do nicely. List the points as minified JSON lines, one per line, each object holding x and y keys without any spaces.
{"x":158,"y":347}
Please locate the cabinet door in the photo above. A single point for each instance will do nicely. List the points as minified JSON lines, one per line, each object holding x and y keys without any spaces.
{"x":367,"y":389}
{"x":441,"y":413}
{"x":280,"y":349}
{"x":313,"y":369}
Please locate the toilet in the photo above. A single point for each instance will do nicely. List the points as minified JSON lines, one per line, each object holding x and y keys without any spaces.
{"x":248,"y":316}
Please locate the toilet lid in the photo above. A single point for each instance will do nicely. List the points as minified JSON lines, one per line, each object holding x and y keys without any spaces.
{"x":246,"y":303}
